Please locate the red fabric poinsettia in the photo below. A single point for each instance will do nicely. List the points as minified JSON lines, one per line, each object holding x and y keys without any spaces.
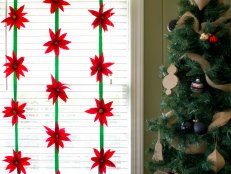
{"x":102,"y":111}
{"x":102,"y":18}
{"x":56,"y":90}
{"x":16,"y":18}
{"x":16,"y":161}
{"x":56,"y":4}
{"x":100,"y":67}
{"x":56,"y":42}
{"x":15,"y":111}
{"x":57,"y":136}
{"x":15,"y":65}
{"x":102,"y":160}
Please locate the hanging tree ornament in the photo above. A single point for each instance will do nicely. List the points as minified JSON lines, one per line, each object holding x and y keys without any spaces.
{"x":187,"y":126}
{"x":158,"y":152}
{"x":171,"y":80}
{"x":197,"y":86}
{"x":213,"y":39}
{"x":217,"y":160}
{"x":200,"y":3}
{"x":199,"y":127}
{"x":205,"y":36}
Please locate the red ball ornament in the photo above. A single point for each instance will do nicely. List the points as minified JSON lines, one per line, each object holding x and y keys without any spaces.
{"x":213,"y":39}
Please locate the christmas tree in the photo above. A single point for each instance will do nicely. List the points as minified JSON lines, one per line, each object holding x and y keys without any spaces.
{"x":194,"y":129}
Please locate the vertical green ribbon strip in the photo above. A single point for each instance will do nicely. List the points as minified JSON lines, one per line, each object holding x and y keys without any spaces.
{"x":15,"y":43}
{"x":101,"y":82}
{"x":57,"y":79}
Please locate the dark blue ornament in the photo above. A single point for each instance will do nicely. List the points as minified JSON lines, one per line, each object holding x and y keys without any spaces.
{"x":200,"y":128}
{"x":187,"y":127}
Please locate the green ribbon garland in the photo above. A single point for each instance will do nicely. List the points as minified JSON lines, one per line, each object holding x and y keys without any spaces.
{"x":57,"y":79}
{"x":101,"y":82}
{"x":15,"y":43}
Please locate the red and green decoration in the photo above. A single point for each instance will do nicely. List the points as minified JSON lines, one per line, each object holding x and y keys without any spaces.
{"x":57,"y":41}
{"x":56,"y":4}
{"x":17,"y":162}
{"x":102,"y":160}
{"x":15,"y":66}
{"x":16,"y":18}
{"x":56,"y":89}
{"x":102,"y":109}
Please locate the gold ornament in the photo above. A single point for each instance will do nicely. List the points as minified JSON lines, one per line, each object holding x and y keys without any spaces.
{"x":200,"y":3}
{"x":217,"y":160}
{"x":220,"y":119}
{"x":204,"y":36}
{"x":171,"y":80}
{"x":158,"y":153}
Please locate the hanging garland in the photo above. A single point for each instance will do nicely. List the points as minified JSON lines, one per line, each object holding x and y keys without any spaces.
{"x":15,"y":65}
{"x":57,"y":88}
{"x":102,"y":109}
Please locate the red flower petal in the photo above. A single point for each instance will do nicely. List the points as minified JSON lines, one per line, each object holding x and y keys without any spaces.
{"x":15,"y":65}
{"x":15,"y":111}
{"x":16,"y":18}
{"x":102,"y":160}
{"x":57,"y":136}
{"x":56,"y":42}
{"x":56,"y":90}
{"x":16,"y":161}
{"x":99,"y":67}
{"x":102,"y":18}
{"x":102,"y":111}
{"x":56,"y":4}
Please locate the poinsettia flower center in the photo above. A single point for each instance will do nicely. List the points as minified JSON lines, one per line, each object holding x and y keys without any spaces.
{"x":57,"y":90}
{"x":16,"y":162}
{"x":56,"y":43}
{"x":15,"y":66}
{"x":101,"y":111}
{"x":101,"y":160}
{"x":57,"y":136}
{"x":14,"y":16}
{"x":99,"y":68}
{"x":14,"y":112}
{"x":102,"y":18}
